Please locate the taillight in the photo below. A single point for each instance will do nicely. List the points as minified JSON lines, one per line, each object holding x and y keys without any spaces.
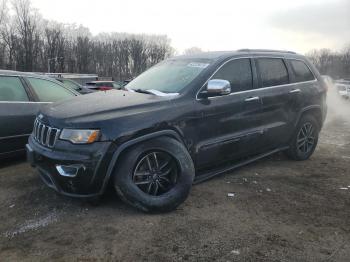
{"x":104,"y":88}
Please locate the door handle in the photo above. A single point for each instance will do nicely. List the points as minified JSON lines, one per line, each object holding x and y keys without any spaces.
{"x":294,"y":91}
{"x":254,"y":98}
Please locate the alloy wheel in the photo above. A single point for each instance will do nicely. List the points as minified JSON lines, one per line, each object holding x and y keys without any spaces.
{"x":306,"y":138}
{"x":155,"y":173}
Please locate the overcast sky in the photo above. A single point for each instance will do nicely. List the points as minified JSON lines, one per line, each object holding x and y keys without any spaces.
{"x":297,"y":25}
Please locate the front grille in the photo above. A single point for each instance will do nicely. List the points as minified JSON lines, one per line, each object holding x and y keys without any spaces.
{"x":44,"y":134}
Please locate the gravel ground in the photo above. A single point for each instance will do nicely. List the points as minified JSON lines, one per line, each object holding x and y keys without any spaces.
{"x":280,"y":211}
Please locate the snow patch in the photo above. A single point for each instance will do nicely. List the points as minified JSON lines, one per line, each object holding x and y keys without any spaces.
{"x":33,"y":224}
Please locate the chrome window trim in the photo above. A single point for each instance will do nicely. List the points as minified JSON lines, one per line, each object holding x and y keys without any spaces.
{"x":256,"y":89}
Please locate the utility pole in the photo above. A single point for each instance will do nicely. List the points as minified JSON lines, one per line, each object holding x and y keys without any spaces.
{"x":48,"y":62}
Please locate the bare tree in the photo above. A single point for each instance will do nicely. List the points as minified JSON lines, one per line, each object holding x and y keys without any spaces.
{"x":25,"y":21}
{"x":335,"y":64}
{"x":193,"y":50}
{"x":3,"y":16}
{"x":30,"y":43}
{"x":10,"y":41}
{"x":54,"y":48}
{"x":3,"y":9}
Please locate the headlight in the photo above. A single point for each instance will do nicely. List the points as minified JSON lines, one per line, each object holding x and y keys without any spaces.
{"x":80,"y":136}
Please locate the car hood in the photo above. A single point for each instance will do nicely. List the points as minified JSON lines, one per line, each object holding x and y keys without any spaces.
{"x":100,"y":106}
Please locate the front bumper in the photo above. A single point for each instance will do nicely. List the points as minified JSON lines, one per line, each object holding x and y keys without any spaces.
{"x":89,"y":162}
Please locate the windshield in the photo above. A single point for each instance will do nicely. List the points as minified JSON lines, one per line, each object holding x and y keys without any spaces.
{"x":170,"y":76}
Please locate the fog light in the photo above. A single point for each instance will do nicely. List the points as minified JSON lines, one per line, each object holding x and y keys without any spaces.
{"x":69,"y":171}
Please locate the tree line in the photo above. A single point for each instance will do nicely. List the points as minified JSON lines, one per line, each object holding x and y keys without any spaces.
{"x":30,"y":43}
{"x":333,"y":63}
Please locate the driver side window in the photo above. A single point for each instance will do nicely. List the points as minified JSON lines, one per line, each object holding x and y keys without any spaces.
{"x":238,"y":72}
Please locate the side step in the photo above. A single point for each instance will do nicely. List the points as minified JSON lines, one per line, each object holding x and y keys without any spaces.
{"x":212,"y":173}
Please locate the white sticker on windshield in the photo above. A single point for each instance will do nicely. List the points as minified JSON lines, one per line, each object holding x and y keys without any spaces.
{"x":200,"y":65}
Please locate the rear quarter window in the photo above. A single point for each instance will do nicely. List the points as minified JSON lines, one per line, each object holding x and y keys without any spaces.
{"x":273,"y":71}
{"x":301,"y":71}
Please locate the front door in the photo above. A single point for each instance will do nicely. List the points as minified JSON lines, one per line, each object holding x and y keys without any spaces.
{"x":230,"y":126}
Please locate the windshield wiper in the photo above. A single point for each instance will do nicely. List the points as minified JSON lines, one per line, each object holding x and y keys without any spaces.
{"x":142,"y":91}
{"x":151,"y":92}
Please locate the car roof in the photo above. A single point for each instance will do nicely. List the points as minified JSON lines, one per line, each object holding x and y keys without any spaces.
{"x":218,"y":55}
{"x":36,"y":75}
{"x":18,"y":73}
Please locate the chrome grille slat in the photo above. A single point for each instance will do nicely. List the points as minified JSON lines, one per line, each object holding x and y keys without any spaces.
{"x":57,"y":134}
{"x":37,"y":129}
{"x":34,"y":129}
{"x":44,"y":134}
{"x":47,"y":142}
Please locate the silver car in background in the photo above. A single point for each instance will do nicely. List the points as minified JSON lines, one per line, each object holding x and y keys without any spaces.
{"x":343,"y":87}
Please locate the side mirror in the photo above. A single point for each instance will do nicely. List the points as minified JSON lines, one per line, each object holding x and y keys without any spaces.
{"x":218,"y":87}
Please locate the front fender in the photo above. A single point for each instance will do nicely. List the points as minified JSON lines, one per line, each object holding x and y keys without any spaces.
{"x":129,"y":143}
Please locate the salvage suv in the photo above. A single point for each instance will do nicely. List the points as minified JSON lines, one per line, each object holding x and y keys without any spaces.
{"x":183,"y":121}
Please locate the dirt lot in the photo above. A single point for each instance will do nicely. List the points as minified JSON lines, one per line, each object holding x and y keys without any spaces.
{"x":281,"y":211}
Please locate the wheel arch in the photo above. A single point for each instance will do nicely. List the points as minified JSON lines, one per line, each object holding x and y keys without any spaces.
{"x":314,"y":110}
{"x":116,"y":155}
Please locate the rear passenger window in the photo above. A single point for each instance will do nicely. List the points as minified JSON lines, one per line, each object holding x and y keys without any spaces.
{"x":238,"y":72}
{"x":273,"y":71}
{"x":48,"y":91}
{"x":11,"y":89}
{"x":301,"y":72}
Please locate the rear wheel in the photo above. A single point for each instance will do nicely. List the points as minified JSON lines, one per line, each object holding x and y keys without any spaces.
{"x":305,"y":139}
{"x":154,"y":176}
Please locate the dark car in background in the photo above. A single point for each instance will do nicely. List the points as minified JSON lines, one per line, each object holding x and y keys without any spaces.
{"x":74,"y":85}
{"x":103,"y":85}
{"x":21,"y":97}
{"x":185,"y":120}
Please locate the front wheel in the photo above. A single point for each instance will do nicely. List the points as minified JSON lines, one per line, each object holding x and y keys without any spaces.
{"x":154,"y":176}
{"x":305,"y":139}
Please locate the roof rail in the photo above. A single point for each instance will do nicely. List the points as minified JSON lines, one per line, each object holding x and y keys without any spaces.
{"x":265,"y":50}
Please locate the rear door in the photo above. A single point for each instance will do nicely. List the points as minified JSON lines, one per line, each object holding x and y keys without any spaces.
{"x":304,"y":87}
{"x":17,"y":113}
{"x":278,"y":103}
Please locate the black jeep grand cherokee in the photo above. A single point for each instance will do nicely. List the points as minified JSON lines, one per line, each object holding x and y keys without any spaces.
{"x":184,"y":120}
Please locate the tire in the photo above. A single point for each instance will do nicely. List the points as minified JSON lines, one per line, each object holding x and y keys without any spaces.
{"x":297,"y":149}
{"x":133,"y":174}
